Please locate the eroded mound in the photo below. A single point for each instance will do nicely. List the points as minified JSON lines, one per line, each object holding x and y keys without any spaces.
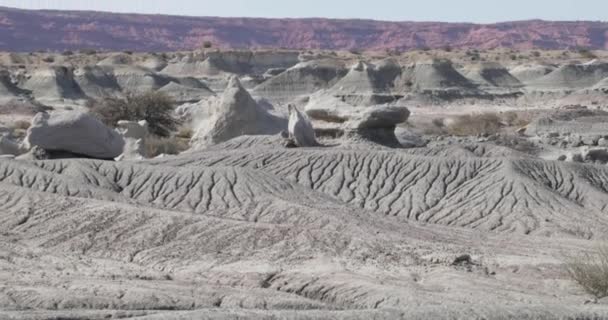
{"x":492,"y":194}
{"x":302,"y":79}
{"x":248,"y":229}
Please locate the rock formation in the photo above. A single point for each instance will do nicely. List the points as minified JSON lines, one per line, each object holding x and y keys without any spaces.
{"x":134,"y":134}
{"x":75,"y":132}
{"x":233,"y":114}
{"x":303,"y":79}
{"x":300,"y":129}
{"x":54,"y":85}
{"x":375,"y":123}
{"x":434,"y":75}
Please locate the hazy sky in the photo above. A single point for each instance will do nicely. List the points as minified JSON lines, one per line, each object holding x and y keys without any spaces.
{"x":414,"y":10}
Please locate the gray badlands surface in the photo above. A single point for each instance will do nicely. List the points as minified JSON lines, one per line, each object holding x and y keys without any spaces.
{"x":392,"y":207}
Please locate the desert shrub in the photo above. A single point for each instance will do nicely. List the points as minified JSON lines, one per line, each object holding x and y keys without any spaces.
{"x":590,"y":271}
{"x":536,"y":54}
{"x":516,"y":119}
{"x":68,"y":53}
{"x":185,"y":132}
{"x":207,"y":44}
{"x":473,"y":125}
{"x":165,"y":145}
{"x":355,"y":51}
{"x":88,"y":52}
{"x":49,"y":59}
{"x":154,"y":107}
{"x":586,"y":53}
{"x":21,"y":125}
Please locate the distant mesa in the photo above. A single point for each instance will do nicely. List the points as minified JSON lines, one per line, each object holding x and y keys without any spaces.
{"x":56,"y":30}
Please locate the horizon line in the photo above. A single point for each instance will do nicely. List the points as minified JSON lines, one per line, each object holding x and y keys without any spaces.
{"x":298,"y":18}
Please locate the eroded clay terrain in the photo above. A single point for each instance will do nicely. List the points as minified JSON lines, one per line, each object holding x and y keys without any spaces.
{"x":315,"y":185}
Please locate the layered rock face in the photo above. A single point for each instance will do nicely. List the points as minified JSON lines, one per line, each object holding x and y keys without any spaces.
{"x":54,"y":84}
{"x":129,"y":32}
{"x":301,"y":80}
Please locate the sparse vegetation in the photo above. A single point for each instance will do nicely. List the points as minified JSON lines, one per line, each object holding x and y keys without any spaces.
{"x":88,"y":52}
{"x":165,"y":145}
{"x":21,"y":125}
{"x":20,"y":128}
{"x":185,"y":132}
{"x":473,"y":125}
{"x":154,"y":107}
{"x":586,"y":53}
{"x":207,"y":44}
{"x":590,"y":271}
{"x":516,"y":119}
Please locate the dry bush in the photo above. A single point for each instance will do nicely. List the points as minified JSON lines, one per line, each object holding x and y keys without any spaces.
{"x":165,"y":145}
{"x":21,"y":125}
{"x":473,"y":125}
{"x":586,"y":53}
{"x":185,"y":132}
{"x":516,"y":119}
{"x":154,"y":107}
{"x":590,"y":271}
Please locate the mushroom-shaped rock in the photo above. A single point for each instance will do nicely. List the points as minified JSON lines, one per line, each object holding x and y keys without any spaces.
{"x":75,"y":132}
{"x":300,"y":129}
{"x":375,"y":123}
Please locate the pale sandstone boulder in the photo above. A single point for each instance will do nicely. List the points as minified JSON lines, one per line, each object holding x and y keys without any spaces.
{"x":300,"y":129}
{"x":75,"y":132}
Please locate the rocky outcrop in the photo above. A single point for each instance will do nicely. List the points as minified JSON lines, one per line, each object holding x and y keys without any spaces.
{"x":74,"y":132}
{"x":301,"y":80}
{"x":300,"y":129}
{"x":491,"y":75}
{"x":54,"y":84}
{"x":8,"y":90}
{"x":97,"y":82}
{"x":572,"y":77}
{"x":135,"y":134}
{"x":375,"y":123}
{"x":434,"y":75}
{"x":234,"y":113}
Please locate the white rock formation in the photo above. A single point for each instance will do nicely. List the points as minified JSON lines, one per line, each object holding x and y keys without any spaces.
{"x":375,"y":122}
{"x":234,"y":113}
{"x":135,"y":134}
{"x":74,"y":132}
{"x":300,"y":129}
